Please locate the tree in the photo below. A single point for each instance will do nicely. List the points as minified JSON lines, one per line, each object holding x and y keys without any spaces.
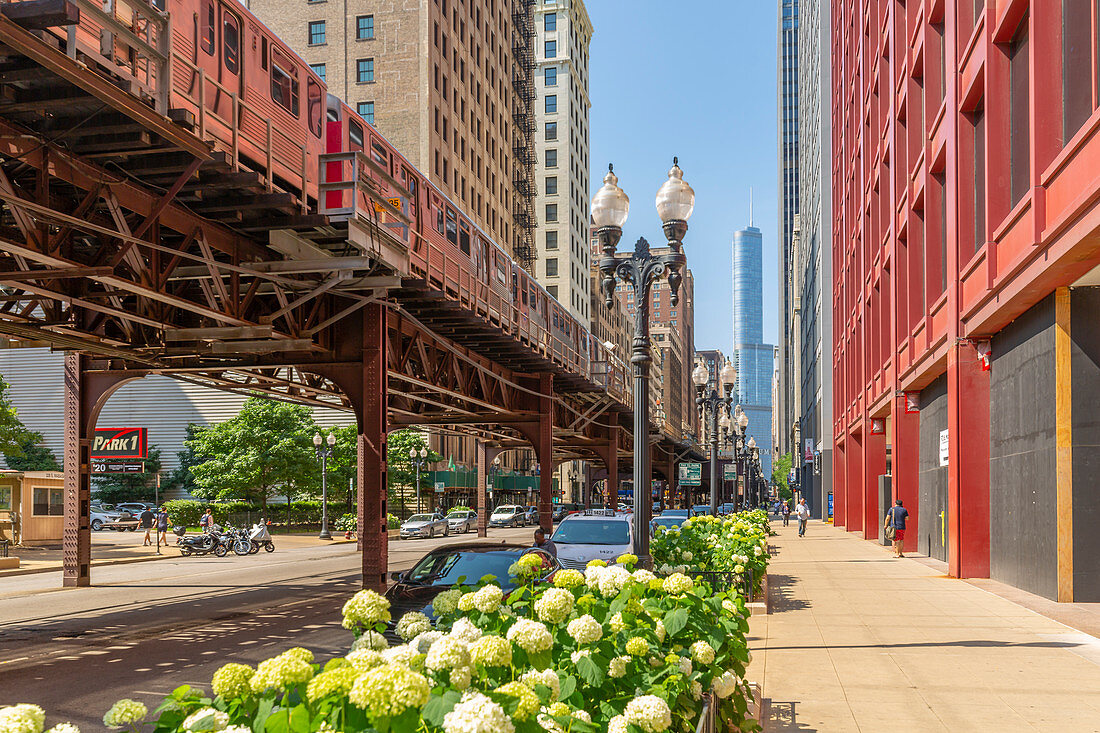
{"x":781,"y":471}
{"x":12,"y":431}
{"x":33,"y":455}
{"x":112,"y":488}
{"x":343,"y":464}
{"x":181,"y":477}
{"x":265,"y":451}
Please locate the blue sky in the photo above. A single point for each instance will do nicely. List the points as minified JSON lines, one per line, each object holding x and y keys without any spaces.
{"x":696,"y":79}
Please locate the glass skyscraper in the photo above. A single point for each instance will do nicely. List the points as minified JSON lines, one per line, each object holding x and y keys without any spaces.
{"x":754,"y":359}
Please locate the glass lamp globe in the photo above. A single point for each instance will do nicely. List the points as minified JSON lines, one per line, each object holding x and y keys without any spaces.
{"x":724,"y":421}
{"x":729,"y":373}
{"x":610,"y":205}
{"x":700,"y":375}
{"x":317,"y":439}
{"x":752,"y":443}
{"x":743,"y":421}
{"x":331,"y":440}
{"x":675,"y":198}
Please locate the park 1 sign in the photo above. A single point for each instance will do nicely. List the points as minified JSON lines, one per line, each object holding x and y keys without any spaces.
{"x":691,"y":474}
{"x":120,"y":443}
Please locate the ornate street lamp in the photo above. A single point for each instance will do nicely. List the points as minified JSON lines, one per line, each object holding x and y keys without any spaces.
{"x":419,"y":458}
{"x":324,"y":448}
{"x":610,"y":206}
{"x":717,"y":406}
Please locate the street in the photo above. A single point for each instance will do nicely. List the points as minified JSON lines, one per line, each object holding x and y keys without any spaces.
{"x":147,"y":628}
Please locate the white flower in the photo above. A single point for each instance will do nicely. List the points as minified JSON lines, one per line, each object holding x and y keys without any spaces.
{"x":585,"y":630}
{"x":617,"y":667}
{"x":465,"y":630}
{"x":648,"y":712}
{"x":206,"y":719}
{"x":122,"y":713}
{"x":491,"y":651}
{"x":476,"y":713}
{"x":687,"y":555}
{"x":365,"y":608}
{"x":388,"y":691}
{"x":488,"y":598}
{"x":447,"y":653}
{"x":677,"y":583}
{"x":364,"y":659}
{"x":547,"y":678}
{"x":423,"y":642}
{"x":446,"y":602}
{"x":685,"y":666}
{"x":660,"y":631}
{"x":579,"y":655}
{"x":696,"y":689}
{"x":616,"y":623}
{"x":403,"y":654}
{"x":729,"y":607}
{"x":531,"y":636}
{"x":413,"y":624}
{"x":64,"y":728}
{"x":24,"y":718}
{"x":643,"y":576}
{"x":702,"y":652}
{"x":725,"y":684}
{"x":617,"y":725}
{"x":592,"y":575}
{"x":370,"y":640}
{"x":612,"y":580}
{"x":738,"y":569}
{"x":554,"y":606}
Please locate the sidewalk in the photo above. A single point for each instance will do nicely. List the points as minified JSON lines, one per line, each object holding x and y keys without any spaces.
{"x":859,"y":641}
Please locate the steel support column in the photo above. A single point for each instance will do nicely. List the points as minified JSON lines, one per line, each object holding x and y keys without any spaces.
{"x":373,"y":541}
{"x":486,"y":454}
{"x":609,"y":453}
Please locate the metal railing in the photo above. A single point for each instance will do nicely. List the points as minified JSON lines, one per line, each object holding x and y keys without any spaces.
{"x":725,"y":581}
{"x":708,"y":722}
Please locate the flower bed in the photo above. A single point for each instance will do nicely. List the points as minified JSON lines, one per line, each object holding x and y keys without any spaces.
{"x":737,"y":545}
{"x":611,"y":649}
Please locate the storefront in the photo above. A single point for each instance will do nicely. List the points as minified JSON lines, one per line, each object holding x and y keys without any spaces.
{"x":32,"y":506}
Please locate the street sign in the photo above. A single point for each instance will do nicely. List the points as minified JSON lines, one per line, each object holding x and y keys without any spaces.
{"x":440,"y":487}
{"x":729,"y":472}
{"x":691,"y":474}
{"x":120,"y":443}
{"x":114,"y":466}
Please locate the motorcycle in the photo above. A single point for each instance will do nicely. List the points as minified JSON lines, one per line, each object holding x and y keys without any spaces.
{"x":260,"y":537}
{"x":200,"y":544}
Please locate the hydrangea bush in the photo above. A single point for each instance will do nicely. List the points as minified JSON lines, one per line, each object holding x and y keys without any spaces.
{"x":611,"y":649}
{"x":735,"y":544}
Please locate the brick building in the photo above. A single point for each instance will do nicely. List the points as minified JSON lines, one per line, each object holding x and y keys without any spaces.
{"x":965,"y":269}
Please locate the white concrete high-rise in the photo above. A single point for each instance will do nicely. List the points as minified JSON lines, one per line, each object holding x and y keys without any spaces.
{"x":563,"y":33}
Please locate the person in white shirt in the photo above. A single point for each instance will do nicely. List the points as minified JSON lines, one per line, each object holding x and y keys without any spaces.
{"x":803,"y":513}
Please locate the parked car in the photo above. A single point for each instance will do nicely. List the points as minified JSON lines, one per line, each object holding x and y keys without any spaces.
{"x":583,"y":537}
{"x":424,"y":525}
{"x":726,"y":508}
{"x":137,"y":507}
{"x":508,"y":515}
{"x":666,"y":521}
{"x":561,"y":511}
{"x":700,"y":509}
{"x":531,"y":514}
{"x":462,"y":521}
{"x":107,"y":516}
{"x":682,"y":513}
{"x":443,"y":567}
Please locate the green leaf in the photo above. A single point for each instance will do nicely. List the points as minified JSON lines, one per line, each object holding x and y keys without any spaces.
{"x":675,"y":621}
{"x":589,"y":672}
{"x":568,"y":687}
{"x":267,"y":704}
{"x":437,"y":707}
{"x":294,"y":720}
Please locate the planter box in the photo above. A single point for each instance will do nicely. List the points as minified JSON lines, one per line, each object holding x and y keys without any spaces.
{"x":760,"y":603}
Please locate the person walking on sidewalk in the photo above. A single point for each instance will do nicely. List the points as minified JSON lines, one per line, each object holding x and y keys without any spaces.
{"x":786,"y":512}
{"x":895,"y":517}
{"x":146,"y":520}
{"x":803,"y":513}
{"x":162,"y":525}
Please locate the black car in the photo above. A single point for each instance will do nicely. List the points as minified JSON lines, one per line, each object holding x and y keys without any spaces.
{"x":443,"y":567}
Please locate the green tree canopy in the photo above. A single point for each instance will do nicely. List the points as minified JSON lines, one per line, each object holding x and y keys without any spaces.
{"x":265,"y":451}
{"x":12,"y":431}
{"x":112,"y":488}
{"x":342,"y":464}
{"x":180,"y":477}
{"x":33,"y":456}
{"x":781,"y":471}
{"x":400,"y":470}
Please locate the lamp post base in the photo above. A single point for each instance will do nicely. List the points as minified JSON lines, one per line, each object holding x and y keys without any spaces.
{"x":325,"y":535}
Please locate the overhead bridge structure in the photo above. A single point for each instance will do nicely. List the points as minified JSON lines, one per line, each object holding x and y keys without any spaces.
{"x":136,"y":238}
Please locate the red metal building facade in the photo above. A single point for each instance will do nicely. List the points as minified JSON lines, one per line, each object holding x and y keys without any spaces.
{"x":966,"y":174}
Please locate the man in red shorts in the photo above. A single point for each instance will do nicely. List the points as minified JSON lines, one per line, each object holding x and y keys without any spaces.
{"x":895,"y":517}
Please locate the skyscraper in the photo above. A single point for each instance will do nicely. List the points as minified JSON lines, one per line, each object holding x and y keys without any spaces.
{"x":787,"y":58}
{"x":754,"y":359}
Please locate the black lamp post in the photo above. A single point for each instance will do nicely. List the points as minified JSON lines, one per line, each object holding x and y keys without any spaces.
{"x":324,"y":448}
{"x":610,"y":206}
{"x":718,"y":407}
{"x":419,"y":459}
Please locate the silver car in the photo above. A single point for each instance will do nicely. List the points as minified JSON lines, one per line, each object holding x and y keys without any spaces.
{"x":462,"y":521}
{"x":106,"y":516}
{"x":424,"y":525}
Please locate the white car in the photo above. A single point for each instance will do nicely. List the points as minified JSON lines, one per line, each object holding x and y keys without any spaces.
{"x":462,"y":521}
{"x":583,"y":537}
{"x":106,"y":516}
{"x":508,"y":515}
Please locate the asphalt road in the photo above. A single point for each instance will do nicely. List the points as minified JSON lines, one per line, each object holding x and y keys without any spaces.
{"x":147,"y":628}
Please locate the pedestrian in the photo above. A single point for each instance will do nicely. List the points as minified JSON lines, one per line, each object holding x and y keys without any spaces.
{"x":544,"y":543}
{"x":206,"y":523}
{"x":786,"y":512}
{"x":895,"y":519}
{"x":146,"y":520}
{"x":803,"y":513}
{"x":162,"y":525}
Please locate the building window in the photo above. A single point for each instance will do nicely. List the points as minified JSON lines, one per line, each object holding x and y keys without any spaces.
{"x":551,"y":185}
{"x":551,"y":130}
{"x":316,"y":32}
{"x":553,"y":290}
{"x":551,"y":240}
{"x":364,"y":27}
{"x":550,"y":76}
{"x":319,"y":70}
{"x":552,"y":268}
{"x":1077,"y":66}
{"x":550,"y":22}
{"x":366,"y":111}
{"x":551,"y":158}
{"x":48,"y":502}
{"x":364,"y":71}
{"x":1019,"y":111}
{"x":550,"y":104}
{"x":551,"y":212}
{"x":550,"y":49}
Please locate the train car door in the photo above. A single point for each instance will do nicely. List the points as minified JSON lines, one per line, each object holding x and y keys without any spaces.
{"x":221,"y":34}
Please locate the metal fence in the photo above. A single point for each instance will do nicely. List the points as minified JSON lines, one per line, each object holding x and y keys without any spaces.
{"x":708,"y":722}
{"x":726,"y":581}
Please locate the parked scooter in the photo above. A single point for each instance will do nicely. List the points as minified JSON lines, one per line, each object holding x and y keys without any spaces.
{"x":260,"y":537}
{"x":200,"y":544}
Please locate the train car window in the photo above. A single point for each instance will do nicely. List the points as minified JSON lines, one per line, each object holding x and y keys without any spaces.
{"x":464,"y":238}
{"x":208,"y":25}
{"x":409,"y":179}
{"x":284,"y":82}
{"x":315,"y":97}
{"x":534,"y":299}
{"x":263,"y":53}
{"x":452,"y":226}
{"x":501,"y":269}
{"x":439,"y":225}
{"x":231,"y":42}
{"x":355,"y":135}
{"x":380,"y":154}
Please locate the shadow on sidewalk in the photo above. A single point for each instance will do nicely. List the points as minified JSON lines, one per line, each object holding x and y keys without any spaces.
{"x":969,"y":643}
{"x":782,"y":716}
{"x":779,"y":594}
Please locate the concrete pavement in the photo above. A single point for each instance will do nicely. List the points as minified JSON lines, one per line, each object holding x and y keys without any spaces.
{"x":860,"y":641}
